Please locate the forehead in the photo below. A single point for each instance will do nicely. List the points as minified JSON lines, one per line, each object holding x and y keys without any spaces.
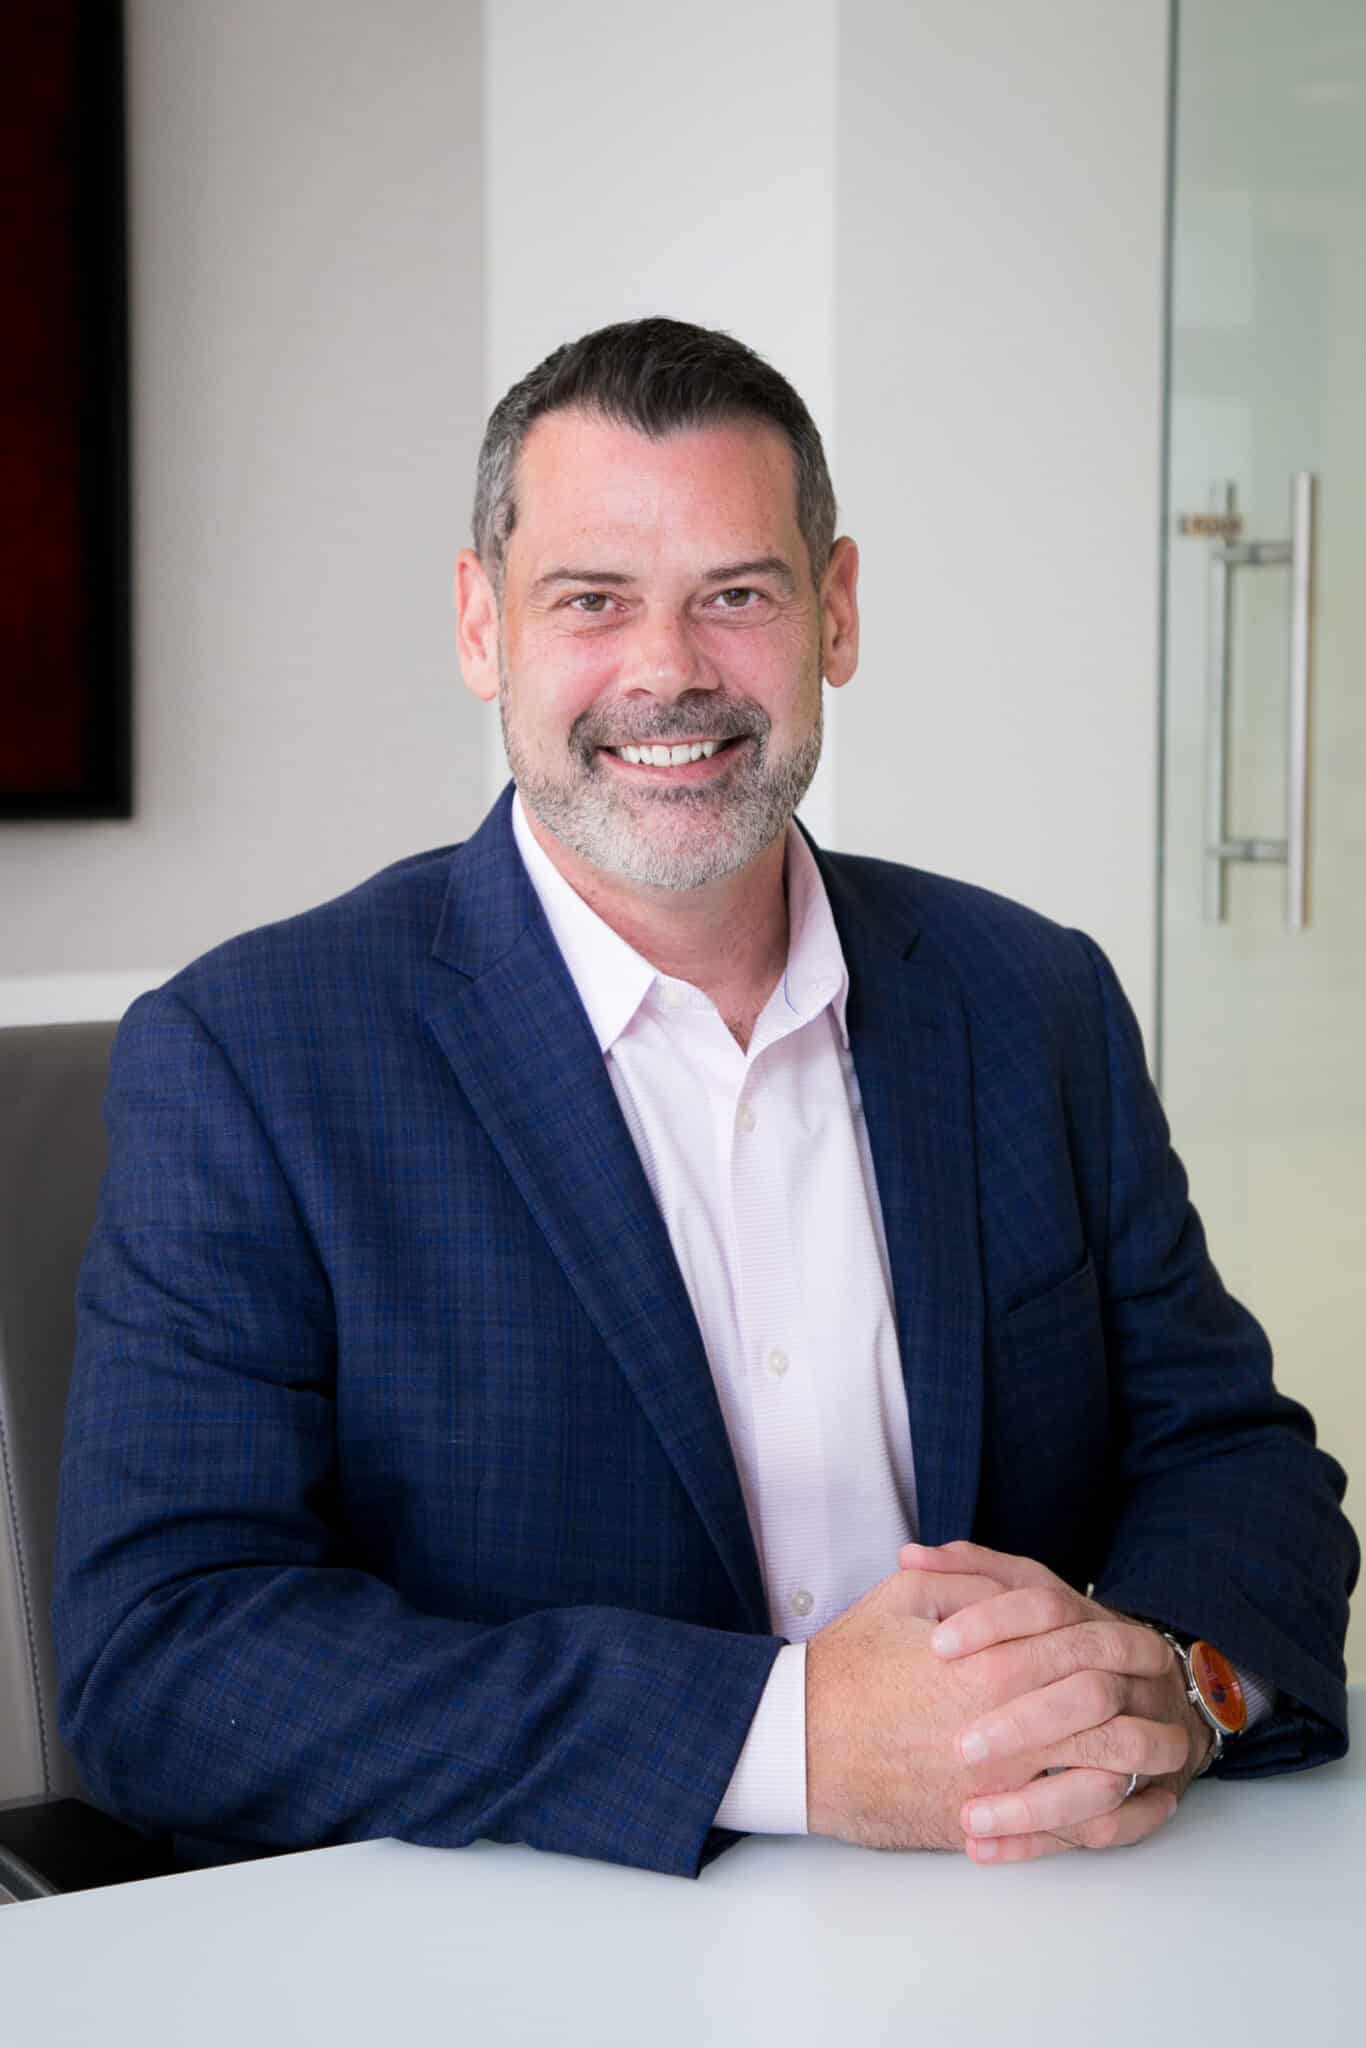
{"x":581,"y":476}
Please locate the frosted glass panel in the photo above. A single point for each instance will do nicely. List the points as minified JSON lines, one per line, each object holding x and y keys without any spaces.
{"x":1264,"y":1028}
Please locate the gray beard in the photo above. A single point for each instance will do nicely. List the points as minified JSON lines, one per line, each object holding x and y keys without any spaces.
{"x":668,"y":838}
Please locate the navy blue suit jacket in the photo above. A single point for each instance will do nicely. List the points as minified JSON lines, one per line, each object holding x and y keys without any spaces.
{"x":397,"y":1498}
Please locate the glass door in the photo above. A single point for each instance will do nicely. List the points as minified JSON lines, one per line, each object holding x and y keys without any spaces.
{"x":1263,"y":1009}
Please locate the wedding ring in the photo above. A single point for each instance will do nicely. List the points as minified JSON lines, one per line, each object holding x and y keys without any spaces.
{"x":1132,"y":1786}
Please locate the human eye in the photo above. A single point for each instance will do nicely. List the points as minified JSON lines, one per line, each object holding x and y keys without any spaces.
{"x":740,"y":598}
{"x":592,"y":603}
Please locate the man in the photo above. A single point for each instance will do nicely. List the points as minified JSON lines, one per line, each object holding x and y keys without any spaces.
{"x":543,"y":1300}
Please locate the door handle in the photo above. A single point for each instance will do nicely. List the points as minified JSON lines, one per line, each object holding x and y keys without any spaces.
{"x":1222,"y":850}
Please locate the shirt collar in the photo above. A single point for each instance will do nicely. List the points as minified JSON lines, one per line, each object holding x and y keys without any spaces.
{"x":611,"y":977}
{"x":815,"y":974}
{"x":613,"y":980}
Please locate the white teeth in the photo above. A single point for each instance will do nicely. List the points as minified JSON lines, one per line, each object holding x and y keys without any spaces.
{"x":668,"y":757}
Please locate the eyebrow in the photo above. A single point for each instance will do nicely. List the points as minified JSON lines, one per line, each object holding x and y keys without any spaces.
{"x":553,"y":576}
{"x":728,"y":572}
{"x":763,"y":565}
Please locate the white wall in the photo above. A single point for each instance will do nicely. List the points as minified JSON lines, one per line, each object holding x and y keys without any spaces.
{"x":307,"y":399}
{"x":630,"y":172}
{"x":999,"y":396}
{"x":945,"y":223}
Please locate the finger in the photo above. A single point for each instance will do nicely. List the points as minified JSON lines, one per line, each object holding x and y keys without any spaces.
{"x":1026,"y":1611}
{"x":932,"y":1596}
{"x":1128,"y":1743}
{"x":975,"y":1557}
{"x":1100,"y":1643}
{"x":1132,"y":1821}
{"x":1099,"y":1762}
{"x":1041,"y":1719}
{"x":1046,"y":1805}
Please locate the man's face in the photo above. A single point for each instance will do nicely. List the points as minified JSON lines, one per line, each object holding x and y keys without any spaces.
{"x":658,"y":595}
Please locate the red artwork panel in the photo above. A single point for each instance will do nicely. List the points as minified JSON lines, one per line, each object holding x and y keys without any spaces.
{"x":64,"y":711}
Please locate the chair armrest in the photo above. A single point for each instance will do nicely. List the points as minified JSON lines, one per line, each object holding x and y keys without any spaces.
{"x":65,"y":1845}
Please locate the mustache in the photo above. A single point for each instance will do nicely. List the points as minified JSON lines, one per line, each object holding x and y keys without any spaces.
{"x":697,"y":715}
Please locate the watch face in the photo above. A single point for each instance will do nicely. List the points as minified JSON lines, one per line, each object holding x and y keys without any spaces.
{"x":1217,"y":1683}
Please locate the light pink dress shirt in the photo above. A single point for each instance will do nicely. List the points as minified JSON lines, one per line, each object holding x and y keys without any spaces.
{"x":760,"y":1164}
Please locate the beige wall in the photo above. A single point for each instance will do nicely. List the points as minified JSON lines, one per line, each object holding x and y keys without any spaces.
{"x":307,"y":396}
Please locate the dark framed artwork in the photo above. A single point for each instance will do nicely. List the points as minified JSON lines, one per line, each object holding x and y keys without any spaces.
{"x":65,"y":654}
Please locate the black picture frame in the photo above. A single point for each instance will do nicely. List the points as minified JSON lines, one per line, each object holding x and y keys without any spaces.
{"x":65,"y":612}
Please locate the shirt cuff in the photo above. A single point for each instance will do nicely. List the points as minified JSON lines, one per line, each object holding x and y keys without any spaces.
{"x":1260,"y":1697}
{"x":767,"y":1790}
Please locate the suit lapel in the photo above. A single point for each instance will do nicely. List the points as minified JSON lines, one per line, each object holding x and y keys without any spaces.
{"x":520,"y":1044}
{"x":908,"y":1036}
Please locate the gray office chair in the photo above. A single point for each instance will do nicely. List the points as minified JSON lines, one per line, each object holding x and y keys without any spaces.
{"x":52,"y":1157}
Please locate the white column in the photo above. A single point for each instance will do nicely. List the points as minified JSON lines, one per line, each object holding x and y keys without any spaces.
{"x":646,"y":160}
{"x":999,"y":356}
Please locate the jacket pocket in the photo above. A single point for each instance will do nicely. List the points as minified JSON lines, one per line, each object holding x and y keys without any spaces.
{"x":1065,"y":1318}
{"x":1054,"y":1393}
{"x":1047,"y":1464}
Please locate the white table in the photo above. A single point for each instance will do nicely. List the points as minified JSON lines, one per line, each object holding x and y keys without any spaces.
{"x":1242,"y":1922}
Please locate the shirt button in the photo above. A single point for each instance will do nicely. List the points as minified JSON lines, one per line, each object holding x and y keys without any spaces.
{"x":745,"y":1117}
{"x":674,"y":996}
{"x":777,"y":1362}
{"x":802,"y":1602}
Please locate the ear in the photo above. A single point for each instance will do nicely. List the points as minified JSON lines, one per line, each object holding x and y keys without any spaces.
{"x":476,"y":633}
{"x":839,"y":614}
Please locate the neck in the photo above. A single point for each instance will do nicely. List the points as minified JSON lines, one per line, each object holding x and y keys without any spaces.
{"x":728,"y":938}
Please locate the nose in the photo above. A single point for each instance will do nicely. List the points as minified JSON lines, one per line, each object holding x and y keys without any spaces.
{"x":665,"y":661}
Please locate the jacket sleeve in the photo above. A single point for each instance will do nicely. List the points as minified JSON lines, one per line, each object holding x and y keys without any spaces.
{"x":1228,"y":1522}
{"x":227,"y":1674}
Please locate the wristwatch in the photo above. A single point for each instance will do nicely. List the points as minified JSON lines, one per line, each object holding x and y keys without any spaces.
{"x":1213,"y":1689}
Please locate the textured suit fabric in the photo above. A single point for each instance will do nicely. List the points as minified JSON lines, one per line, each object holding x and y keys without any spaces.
{"x":396,"y":1495}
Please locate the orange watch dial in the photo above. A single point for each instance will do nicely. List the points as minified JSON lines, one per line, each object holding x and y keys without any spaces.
{"x":1218,"y":1686}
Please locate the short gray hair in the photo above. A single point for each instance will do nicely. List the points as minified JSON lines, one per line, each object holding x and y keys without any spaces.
{"x":661,"y":377}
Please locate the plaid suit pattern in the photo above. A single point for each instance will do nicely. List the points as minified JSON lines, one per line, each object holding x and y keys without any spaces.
{"x":397,"y":1498}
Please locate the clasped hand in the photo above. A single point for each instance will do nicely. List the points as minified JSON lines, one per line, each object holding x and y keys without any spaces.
{"x":974,"y":1697}
{"x":1094,"y":1695}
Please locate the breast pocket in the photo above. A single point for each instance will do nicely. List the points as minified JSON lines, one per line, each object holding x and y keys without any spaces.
{"x":1048,"y":1426}
{"x":1064,"y":1321}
